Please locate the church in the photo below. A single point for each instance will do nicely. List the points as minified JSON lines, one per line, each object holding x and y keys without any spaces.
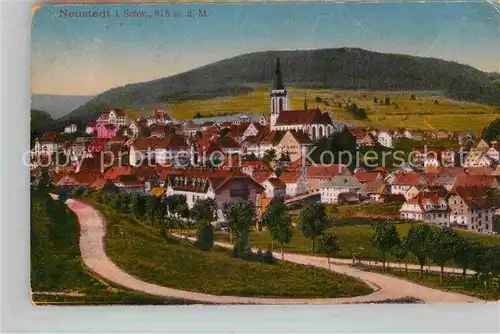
{"x":314,"y":123}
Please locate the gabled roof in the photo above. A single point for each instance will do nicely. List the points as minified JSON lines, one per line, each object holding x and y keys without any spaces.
{"x":409,"y":179}
{"x":374,"y":187}
{"x":313,"y":116}
{"x":114,"y":173}
{"x":368,"y":176}
{"x":301,"y":137}
{"x":343,"y":181}
{"x":475,"y":197}
{"x":261,"y":176}
{"x":290,"y":177}
{"x":276,"y":183}
{"x":325,"y":170}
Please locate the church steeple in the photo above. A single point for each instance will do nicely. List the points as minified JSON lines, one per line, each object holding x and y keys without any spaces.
{"x":279,"y":96}
{"x":278,"y":78}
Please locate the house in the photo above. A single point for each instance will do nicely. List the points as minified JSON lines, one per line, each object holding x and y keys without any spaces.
{"x":113,"y":116}
{"x":386,"y":139}
{"x":139,"y":128}
{"x":339,"y":184}
{"x":359,"y":134}
{"x":429,"y":205}
{"x":90,"y":128}
{"x":373,"y":189}
{"x":295,"y":144}
{"x":106,"y":130}
{"x":318,"y":174}
{"x":246,"y":166}
{"x":404,"y":181}
{"x":391,"y":199}
{"x":494,"y":152}
{"x":274,"y":188}
{"x":348,"y":198}
{"x":480,"y":145}
{"x":70,"y":129}
{"x":172,"y":150}
{"x":471,"y":209}
{"x":478,"y":158}
{"x":223,"y":186}
{"x":76,"y":180}
{"x":47,"y":144}
{"x":365,"y":177}
{"x":129,"y":184}
{"x":263,"y":142}
{"x":295,"y":182}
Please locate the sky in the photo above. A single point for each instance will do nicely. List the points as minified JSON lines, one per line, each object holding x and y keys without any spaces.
{"x":86,"y":56}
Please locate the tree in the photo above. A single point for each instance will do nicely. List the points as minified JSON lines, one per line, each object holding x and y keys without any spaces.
{"x":204,"y":211}
{"x":153,"y":208}
{"x":442,"y":246}
{"x":492,"y":131}
{"x":463,"y":253}
{"x":269,"y":155}
{"x":327,"y":244}
{"x":400,"y":252}
{"x":412,"y":97}
{"x":139,"y":206}
{"x":387,"y":101}
{"x":385,"y":237}
{"x":205,"y":237}
{"x":240,"y":216}
{"x":279,"y":224}
{"x":417,"y":240}
{"x":313,"y":221}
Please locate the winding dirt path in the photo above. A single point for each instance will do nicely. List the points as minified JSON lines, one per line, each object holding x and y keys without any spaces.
{"x":92,"y":246}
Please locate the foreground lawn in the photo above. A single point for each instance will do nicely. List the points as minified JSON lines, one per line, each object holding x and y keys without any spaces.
{"x":141,"y":250}
{"x":451,"y":282}
{"x":351,"y":238}
{"x":57,"y":273}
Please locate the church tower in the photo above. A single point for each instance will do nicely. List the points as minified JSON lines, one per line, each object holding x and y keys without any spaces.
{"x":279,"y":95}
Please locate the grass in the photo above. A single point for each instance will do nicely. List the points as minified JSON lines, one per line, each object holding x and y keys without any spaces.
{"x":56,"y":265}
{"x":453,"y":282}
{"x":422,"y":113}
{"x":352,"y":237}
{"x":140,"y":249}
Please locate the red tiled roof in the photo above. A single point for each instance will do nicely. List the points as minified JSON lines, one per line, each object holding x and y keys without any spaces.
{"x":290,"y":177}
{"x":301,"y":137}
{"x":276,"y":183}
{"x":367,"y":176}
{"x":480,"y":170}
{"x":313,"y":116}
{"x":51,"y":136}
{"x":473,"y":196}
{"x":261,"y":176}
{"x":324,"y":171}
{"x":114,"y":173}
{"x":487,"y":181}
{"x":410,"y":179}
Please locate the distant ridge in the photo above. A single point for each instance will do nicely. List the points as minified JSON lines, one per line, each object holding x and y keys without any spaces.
{"x":343,"y":68}
{"x":58,"y":105}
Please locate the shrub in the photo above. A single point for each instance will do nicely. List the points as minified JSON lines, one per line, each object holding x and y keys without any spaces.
{"x":205,"y":238}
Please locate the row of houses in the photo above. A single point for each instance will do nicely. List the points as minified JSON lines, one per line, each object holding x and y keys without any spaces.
{"x":388,"y":138}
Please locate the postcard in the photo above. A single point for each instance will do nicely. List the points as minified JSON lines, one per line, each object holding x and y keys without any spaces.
{"x":265,"y":153}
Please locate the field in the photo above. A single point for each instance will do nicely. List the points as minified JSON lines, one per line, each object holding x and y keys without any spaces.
{"x":352,"y":239}
{"x":140,"y":249}
{"x":57,"y":273}
{"x":428,"y":111}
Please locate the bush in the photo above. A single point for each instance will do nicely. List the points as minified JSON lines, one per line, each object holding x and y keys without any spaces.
{"x":205,"y":238}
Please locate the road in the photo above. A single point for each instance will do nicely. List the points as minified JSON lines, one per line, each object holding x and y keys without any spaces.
{"x":92,"y":246}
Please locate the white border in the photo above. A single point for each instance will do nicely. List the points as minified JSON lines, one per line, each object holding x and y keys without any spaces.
{"x":19,"y":315}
